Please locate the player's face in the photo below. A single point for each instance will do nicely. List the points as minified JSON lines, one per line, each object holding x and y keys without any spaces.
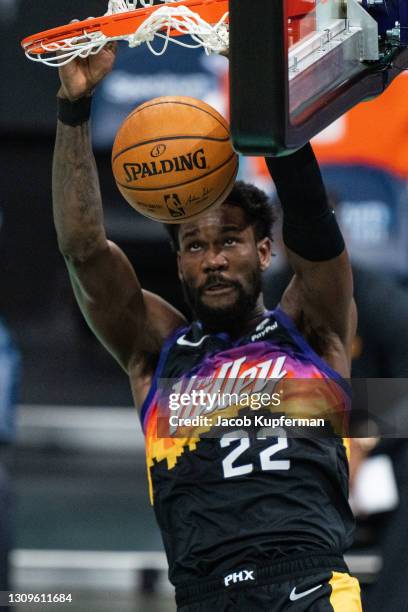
{"x":220,"y":264}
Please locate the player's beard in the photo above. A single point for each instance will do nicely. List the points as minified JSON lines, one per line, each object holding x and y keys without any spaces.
{"x":229,"y":317}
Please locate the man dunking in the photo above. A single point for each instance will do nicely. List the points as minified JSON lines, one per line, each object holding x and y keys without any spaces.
{"x":248,"y":524}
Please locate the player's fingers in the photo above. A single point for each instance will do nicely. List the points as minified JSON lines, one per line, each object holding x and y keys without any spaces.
{"x":63,"y":51}
{"x":112,"y":45}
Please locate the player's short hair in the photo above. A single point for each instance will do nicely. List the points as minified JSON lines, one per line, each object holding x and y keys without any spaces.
{"x":255,"y":204}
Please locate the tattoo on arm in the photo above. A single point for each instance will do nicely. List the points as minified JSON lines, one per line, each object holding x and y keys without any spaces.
{"x":77,"y":204}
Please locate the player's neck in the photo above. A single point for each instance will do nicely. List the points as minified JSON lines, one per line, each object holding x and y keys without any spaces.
{"x":253,"y":319}
{"x":239,"y":328}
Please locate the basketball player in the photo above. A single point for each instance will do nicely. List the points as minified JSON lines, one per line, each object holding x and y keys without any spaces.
{"x":248,"y":523}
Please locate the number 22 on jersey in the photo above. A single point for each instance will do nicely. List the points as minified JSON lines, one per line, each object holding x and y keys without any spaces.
{"x":278,"y":443}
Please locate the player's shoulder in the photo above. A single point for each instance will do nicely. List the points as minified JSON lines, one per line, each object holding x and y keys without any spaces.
{"x":162,"y":316}
{"x":326,"y":342}
{"x":163,"y":323}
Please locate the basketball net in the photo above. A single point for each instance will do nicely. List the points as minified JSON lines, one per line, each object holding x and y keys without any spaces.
{"x":166,"y":22}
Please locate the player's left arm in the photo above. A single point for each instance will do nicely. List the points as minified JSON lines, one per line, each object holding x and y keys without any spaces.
{"x":320,"y":296}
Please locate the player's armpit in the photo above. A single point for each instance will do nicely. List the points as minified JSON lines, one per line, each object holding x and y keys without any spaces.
{"x":108,"y":292}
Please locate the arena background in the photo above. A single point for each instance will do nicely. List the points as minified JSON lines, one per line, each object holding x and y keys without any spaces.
{"x":81,"y":518}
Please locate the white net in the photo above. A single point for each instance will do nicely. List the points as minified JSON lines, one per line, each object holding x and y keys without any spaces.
{"x":159,"y":24}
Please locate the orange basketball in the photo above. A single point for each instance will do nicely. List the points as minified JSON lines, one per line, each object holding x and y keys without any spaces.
{"x":172,"y":159}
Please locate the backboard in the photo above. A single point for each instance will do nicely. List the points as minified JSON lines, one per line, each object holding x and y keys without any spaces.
{"x":297,"y":65}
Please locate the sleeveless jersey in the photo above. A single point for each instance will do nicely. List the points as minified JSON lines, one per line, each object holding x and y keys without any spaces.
{"x":225,"y":502}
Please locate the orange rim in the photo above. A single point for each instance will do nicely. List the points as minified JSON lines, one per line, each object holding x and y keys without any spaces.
{"x":119,"y":24}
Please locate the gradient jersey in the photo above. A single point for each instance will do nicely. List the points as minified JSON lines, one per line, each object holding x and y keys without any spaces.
{"x":254,"y":497}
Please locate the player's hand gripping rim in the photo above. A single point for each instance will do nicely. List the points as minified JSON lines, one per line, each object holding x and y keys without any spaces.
{"x":80,"y":76}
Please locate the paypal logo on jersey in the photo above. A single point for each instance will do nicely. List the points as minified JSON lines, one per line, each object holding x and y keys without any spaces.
{"x":263,"y":330}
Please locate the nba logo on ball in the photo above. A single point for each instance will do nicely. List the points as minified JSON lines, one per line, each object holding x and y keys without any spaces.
{"x":172,"y":159}
{"x":174,"y":206}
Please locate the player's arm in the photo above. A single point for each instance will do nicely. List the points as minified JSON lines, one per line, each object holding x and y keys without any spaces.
{"x":320,"y":295}
{"x":129,"y":322}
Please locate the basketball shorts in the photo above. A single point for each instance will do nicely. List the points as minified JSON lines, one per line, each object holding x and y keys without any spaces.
{"x":293,"y":586}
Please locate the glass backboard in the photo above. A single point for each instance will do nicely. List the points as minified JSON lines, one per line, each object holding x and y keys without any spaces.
{"x":297,"y":65}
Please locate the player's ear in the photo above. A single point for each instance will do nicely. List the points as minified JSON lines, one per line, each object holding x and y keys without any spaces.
{"x":264,"y":248}
{"x":179,"y":267}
